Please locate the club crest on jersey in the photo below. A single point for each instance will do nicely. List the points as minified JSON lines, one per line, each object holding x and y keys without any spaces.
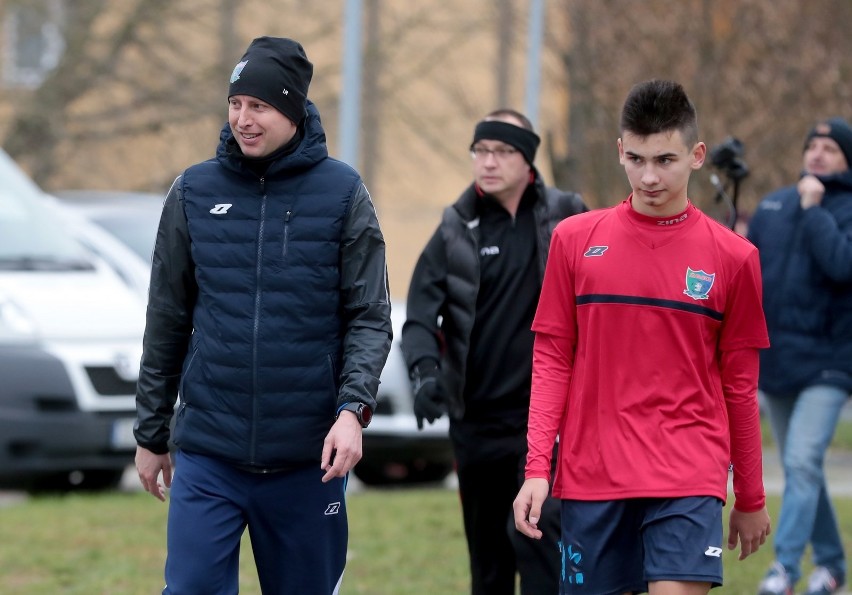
{"x":698,"y":284}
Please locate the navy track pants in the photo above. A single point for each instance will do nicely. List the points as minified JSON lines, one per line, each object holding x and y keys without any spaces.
{"x":297,"y":525}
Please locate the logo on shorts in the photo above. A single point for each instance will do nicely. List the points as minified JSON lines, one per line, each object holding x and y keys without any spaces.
{"x":713,"y":551}
{"x":573,"y":575}
{"x":334,"y":508}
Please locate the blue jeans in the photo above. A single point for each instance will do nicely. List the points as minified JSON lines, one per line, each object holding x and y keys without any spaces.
{"x":803,"y":426}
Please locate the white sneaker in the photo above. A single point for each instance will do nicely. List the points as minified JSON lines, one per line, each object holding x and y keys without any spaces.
{"x":822,"y":582}
{"x":776,"y":581}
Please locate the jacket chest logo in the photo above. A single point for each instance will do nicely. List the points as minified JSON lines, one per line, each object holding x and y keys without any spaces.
{"x":221,"y":209}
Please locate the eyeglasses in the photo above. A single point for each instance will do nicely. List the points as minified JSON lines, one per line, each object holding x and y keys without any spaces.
{"x":499,"y":153}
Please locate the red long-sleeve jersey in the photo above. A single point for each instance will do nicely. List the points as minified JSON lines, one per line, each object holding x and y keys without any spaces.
{"x":646,"y":359}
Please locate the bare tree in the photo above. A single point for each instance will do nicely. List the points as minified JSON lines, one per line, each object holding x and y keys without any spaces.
{"x":748,"y":76}
{"x":41,"y":122}
{"x":140,"y":87}
{"x":503,"y":57}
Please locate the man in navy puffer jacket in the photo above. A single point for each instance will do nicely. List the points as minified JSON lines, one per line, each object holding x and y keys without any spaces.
{"x":804,"y":234}
{"x":269,"y":313}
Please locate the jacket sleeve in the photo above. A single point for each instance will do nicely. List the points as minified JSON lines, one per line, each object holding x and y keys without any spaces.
{"x":168,"y":328}
{"x":427,"y":298}
{"x":830,"y":245}
{"x":365,"y":297}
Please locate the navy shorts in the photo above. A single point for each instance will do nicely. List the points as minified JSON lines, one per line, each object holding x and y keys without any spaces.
{"x":619,"y":546}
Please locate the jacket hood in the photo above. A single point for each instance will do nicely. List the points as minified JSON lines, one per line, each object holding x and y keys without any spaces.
{"x":308,"y":153}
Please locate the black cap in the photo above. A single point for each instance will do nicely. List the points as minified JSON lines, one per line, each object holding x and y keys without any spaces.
{"x":275,"y":70}
{"x":838,"y":130}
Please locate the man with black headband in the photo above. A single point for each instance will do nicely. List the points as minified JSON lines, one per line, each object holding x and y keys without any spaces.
{"x":468,"y":344}
{"x":269,"y":310}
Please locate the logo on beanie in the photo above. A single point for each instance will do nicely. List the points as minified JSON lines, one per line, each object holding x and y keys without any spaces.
{"x":235,"y":76}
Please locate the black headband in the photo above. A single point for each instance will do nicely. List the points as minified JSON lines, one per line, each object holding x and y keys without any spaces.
{"x":525,"y":141}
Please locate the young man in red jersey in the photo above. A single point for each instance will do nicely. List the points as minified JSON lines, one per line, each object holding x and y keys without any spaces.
{"x":645,"y":365}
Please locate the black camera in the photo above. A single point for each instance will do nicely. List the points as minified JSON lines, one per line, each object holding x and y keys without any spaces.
{"x":727,"y":157}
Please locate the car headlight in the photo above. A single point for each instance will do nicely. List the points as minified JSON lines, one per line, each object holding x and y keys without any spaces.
{"x":16,"y":326}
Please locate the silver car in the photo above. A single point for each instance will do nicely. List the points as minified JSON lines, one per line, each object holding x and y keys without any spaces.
{"x":70,"y":340}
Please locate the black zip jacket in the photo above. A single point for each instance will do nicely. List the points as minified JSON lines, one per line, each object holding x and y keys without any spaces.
{"x":446,"y":280}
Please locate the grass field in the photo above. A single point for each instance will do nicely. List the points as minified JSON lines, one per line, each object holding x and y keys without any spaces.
{"x":402,"y":542}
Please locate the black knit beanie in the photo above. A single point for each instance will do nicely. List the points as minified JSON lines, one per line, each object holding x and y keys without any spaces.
{"x":525,"y":141}
{"x":275,"y":70}
{"x":838,"y":130}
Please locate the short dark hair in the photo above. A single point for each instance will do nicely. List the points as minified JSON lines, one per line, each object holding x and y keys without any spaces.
{"x":504,"y":112}
{"x":659,"y":106}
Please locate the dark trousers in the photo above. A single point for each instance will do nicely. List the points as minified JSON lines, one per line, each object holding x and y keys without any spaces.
{"x":497,"y":550}
{"x":297,"y":526}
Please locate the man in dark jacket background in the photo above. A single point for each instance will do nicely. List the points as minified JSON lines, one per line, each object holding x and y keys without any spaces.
{"x":269,"y":311}
{"x":804,"y":234}
{"x":480,"y":275}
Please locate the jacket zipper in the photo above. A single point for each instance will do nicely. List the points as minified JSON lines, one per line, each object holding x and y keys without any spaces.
{"x":286,"y":231}
{"x":255,"y":407}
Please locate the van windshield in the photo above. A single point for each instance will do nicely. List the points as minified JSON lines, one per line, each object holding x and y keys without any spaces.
{"x":32,"y":236}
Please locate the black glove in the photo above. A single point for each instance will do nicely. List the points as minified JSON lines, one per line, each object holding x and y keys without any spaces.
{"x":430,"y":402}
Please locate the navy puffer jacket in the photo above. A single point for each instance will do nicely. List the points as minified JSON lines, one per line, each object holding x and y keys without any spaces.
{"x":806,"y":260}
{"x":268,"y":307}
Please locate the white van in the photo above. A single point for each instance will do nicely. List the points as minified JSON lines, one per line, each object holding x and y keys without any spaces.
{"x":71,"y":330}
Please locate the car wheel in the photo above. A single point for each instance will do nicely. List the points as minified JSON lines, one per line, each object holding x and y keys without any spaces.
{"x":401,"y":473}
{"x":430,"y":472}
{"x":92,"y":480}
